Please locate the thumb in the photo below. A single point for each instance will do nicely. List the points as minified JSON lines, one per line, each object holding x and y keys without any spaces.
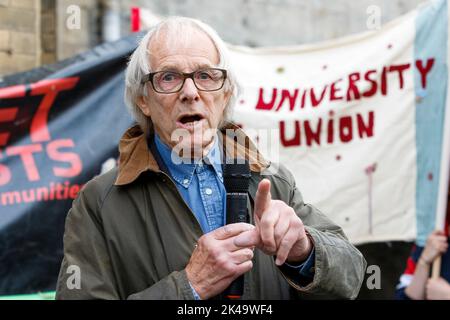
{"x":247,"y":239}
{"x":262,"y":198}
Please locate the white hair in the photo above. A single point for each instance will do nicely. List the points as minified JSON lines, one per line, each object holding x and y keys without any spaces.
{"x":176,"y":29}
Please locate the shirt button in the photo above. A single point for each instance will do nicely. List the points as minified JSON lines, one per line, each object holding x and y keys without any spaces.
{"x":185,"y":182}
{"x":208,"y":191}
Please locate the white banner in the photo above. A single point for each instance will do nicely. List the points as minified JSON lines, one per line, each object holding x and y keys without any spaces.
{"x":359,"y":121}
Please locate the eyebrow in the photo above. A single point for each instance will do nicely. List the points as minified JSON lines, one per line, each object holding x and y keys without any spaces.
{"x":173,"y":68}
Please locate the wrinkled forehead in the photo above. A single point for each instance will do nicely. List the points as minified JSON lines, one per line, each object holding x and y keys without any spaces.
{"x":189,"y":44}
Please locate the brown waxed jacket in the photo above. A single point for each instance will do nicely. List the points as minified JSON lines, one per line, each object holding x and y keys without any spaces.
{"x":131,"y":235}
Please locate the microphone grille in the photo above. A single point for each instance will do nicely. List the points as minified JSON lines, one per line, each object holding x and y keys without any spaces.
{"x":236,"y":177}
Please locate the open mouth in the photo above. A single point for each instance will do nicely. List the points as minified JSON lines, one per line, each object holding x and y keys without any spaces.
{"x":190,"y":119}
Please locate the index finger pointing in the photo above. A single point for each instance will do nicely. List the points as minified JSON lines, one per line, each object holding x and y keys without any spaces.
{"x":262,"y":197}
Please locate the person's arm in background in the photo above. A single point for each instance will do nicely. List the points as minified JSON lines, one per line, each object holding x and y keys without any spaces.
{"x":438,"y":289}
{"x":436,"y":245}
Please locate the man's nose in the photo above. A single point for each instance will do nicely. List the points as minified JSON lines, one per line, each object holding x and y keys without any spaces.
{"x":189,"y":91}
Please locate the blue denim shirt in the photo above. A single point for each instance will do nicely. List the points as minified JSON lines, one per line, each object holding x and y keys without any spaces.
{"x":201,"y":186}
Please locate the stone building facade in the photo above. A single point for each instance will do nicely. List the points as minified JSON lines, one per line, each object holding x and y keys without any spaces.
{"x":36,"y":32}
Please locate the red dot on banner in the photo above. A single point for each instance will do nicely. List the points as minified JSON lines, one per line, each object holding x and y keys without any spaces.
{"x":331,"y":113}
{"x":338,"y":157}
{"x":242,"y":101}
{"x":389,"y":46}
{"x":430,"y":176}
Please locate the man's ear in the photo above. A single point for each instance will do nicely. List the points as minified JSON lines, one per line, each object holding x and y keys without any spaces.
{"x":144,"y":106}
{"x":228,"y":95}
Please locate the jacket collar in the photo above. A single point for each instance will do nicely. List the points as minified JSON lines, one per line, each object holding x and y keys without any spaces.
{"x":136,"y":158}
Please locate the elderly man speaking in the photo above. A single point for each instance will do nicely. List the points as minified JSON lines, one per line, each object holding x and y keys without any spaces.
{"x":154,"y":228}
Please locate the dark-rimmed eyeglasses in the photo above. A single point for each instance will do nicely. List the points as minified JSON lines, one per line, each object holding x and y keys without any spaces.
{"x":209,"y":79}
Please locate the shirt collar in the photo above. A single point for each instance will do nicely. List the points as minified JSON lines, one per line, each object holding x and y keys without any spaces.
{"x":182,"y":171}
{"x":135,"y":157}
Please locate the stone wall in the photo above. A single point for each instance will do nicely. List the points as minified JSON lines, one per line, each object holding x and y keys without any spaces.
{"x":277,"y":22}
{"x":73,"y":39}
{"x":35,"y":32}
{"x":20,"y":41}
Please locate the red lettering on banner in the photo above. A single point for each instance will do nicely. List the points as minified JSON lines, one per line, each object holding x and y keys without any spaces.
{"x":55,"y":191}
{"x":353,"y":78}
{"x":69,"y":157}
{"x":73,"y":192}
{"x":400,"y":68}
{"x":330,"y":131}
{"x":13,"y":92}
{"x":364,"y":129}
{"x":38,"y":128}
{"x":7,"y":115}
{"x":346,"y":125}
{"x":39,"y":132}
{"x":373,"y":84}
{"x":26,"y":154}
{"x":32,"y":155}
{"x":424,"y":70}
{"x":310,"y":134}
{"x":5,"y":173}
{"x":295,"y":141}
{"x":345,"y":129}
{"x":314,"y":101}
{"x":28,"y":196}
{"x":50,"y":89}
{"x":261,"y":105}
{"x":302,"y":103}
{"x":285,"y":94}
{"x":334,"y":90}
{"x":375,"y":80}
{"x":384,"y":81}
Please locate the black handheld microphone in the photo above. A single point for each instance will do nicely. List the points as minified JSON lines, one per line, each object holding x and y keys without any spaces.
{"x":236,"y":178}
